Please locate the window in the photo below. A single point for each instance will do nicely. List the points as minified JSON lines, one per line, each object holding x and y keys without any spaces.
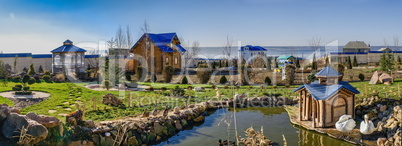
{"x":176,"y":60}
{"x":167,"y":60}
{"x":57,"y":60}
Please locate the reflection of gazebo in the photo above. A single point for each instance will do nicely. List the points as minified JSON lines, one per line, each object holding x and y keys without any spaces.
{"x":68,"y":58}
{"x":324,"y":101}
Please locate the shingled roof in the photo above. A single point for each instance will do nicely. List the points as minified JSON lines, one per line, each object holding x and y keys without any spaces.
{"x":252,"y":48}
{"x":321,"y":91}
{"x":68,"y":47}
{"x":356,"y":45}
{"x":328,"y":72}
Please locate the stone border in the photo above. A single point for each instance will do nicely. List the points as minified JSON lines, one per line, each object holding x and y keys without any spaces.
{"x":35,"y":95}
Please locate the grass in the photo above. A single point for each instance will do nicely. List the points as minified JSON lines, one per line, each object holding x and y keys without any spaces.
{"x":6,"y":101}
{"x":67,"y":95}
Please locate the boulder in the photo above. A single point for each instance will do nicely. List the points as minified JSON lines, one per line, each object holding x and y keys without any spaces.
{"x":5,"y":110}
{"x":381,"y":141}
{"x":178,"y":125}
{"x":132,"y":85}
{"x":158,"y":128}
{"x":176,"y":110}
{"x":111,"y":100}
{"x":383,"y":108}
{"x":48,"y":122}
{"x":89,"y":124}
{"x":15,"y":122}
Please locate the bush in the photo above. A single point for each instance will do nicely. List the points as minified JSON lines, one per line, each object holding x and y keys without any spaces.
{"x":16,"y":79}
{"x":47,"y":73}
{"x":26,"y":88}
{"x":189,"y":87}
{"x":154,"y":78}
{"x":163,"y":88}
{"x":128,"y":76}
{"x":177,"y":91}
{"x":268,"y":80}
{"x":23,"y":93}
{"x":203,"y":74}
{"x":17,"y":88}
{"x":361,"y":77}
{"x":225,"y":87}
{"x":46,"y":78}
{"x":213,"y":86}
{"x":59,"y":78}
{"x":140,"y":72}
{"x":151,"y":88}
{"x":223,"y":80}
{"x":31,"y":81}
{"x":184,"y":80}
{"x":237,"y":87}
{"x":274,"y":87}
{"x":31,"y":70}
{"x":168,"y":74}
{"x":106,"y":84}
{"x":250,"y":87}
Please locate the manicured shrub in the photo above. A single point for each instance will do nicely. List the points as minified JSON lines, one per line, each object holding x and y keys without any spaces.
{"x":268,"y":81}
{"x":151,"y":88}
{"x":203,"y":74}
{"x":213,"y":86}
{"x":31,"y":81}
{"x":17,"y":88}
{"x":274,"y":86}
{"x":361,"y":77}
{"x":16,"y":79}
{"x":31,"y":70}
{"x":163,"y":88}
{"x":168,"y":74}
{"x":25,"y":79}
{"x":189,"y":87}
{"x":154,"y":78}
{"x":184,"y":80}
{"x":225,"y":87}
{"x":223,"y":80}
{"x":23,"y":93}
{"x":250,"y":87}
{"x":46,"y":78}
{"x":59,"y":78}
{"x":106,"y":84}
{"x":47,"y":73}
{"x":26,"y":88}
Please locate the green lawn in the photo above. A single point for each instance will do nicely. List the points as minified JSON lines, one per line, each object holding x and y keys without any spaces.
{"x":66,"y":95}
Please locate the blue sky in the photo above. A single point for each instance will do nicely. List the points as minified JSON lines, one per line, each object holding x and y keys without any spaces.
{"x":40,"y":26}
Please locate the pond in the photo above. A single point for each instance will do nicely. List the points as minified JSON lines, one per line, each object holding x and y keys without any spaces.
{"x":274,"y":120}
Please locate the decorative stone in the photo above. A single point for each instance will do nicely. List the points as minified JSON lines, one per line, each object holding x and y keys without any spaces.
{"x":381,"y":141}
{"x":48,"y":122}
{"x":383,"y":108}
{"x":89,"y":124}
{"x":111,"y":100}
{"x":178,"y":125}
{"x":176,"y":110}
{"x":16,"y":122}
{"x":132,"y":141}
{"x":158,"y":128}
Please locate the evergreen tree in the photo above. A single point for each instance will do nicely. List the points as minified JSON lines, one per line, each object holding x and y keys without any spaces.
{"x":386,"y":62}
{"x":355,"y":64}
{"x":297,"y":63}
{"x":25,"y":70}
{"x":40,"y":70}
{"x":227,"y":63}
{"x":314,"y":64}
{"x":31,"y":71}
{"x":326,"y":61}
{"x":399,"y":60}
{"x":349,"y":63}
{"x":220,"y":63}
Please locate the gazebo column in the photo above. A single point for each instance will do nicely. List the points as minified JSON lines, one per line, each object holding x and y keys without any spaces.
{"x":300,"y":105}
{"x":313,"y":113}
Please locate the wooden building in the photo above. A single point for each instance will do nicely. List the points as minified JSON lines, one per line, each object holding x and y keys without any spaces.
{"x":324,"y":101}
{"x":157,"y":51}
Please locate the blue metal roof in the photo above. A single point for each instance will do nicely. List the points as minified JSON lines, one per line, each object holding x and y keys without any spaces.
{"x":15,"y":55}
{"x":68,"y":48}
{"x":163,"y":41}
{"x":328,"y":72}
{"x":41,"y":55}
{"x":253,"y":48}
{"x":91,"y":56}
{"x":320,"y":91}
{"x":348,"y":53}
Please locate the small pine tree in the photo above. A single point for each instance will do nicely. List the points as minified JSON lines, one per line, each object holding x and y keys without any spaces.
{"x":386,"y":62}
{"x":47,"y":73}
{"x":349,"y":63}
{"x":355,"y":64}
{"x":220,"y":63}
{"x":297,"y":63}
{"x":223,"y":80}
{"x":314,"y":64}
{"x":25,"y":69}
{"x":31,"y":71}
{"x":268,"y":80}
{"x":226,"y":63}
{"x":40,"y":70}
{"x":168,"y":74}
{"x":361,"y":77}
{"x":326,"y":61}
{"x":184,"y":80}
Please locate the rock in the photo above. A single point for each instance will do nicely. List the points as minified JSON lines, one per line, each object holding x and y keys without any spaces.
{"x":176,"y":110}
{"x":72,"y":121}
{"x":381,"y":141}
{"x":383,"y":108}
{"x":15,"y":122}
{"x":199,"y":119}
{"x":397,"y":108}
{"x":5,"y":110}
{"x":132,"y":85}
{"x":132,"y":141}
{"x":48,"y":122}
{"x":158,"y":128}
{"x":111,"y":100}
{"x":178,"y":125}
{"x":389,"y":122}
{"x":199,"y":89}
{"x":380,"y":126}
{"x":89,"y":124}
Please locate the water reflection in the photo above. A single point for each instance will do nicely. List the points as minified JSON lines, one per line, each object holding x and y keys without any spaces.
{"x":274,"y":120}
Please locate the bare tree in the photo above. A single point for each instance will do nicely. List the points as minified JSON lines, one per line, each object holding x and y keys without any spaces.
{"x":386,"y":44}
{"x":145,"y":30}
{"x":227,"y":48}
{"x":315,"y":43}
{"x":195,"y":48}
{"x":129,"y":40}
{"x":396,"y":43}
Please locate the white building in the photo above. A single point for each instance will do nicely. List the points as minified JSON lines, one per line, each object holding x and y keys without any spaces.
{"x":248,"y":52}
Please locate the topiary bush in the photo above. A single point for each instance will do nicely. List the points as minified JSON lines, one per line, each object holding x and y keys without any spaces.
{"x":223,"y":80}
{"x":184,"y":80}
{"x":203,"y":74}
{"x":47,"y":73}
{"x":226,"y":87}
{"x":16,"y":79}
{"x":189,"y":87}
{"x":46,"y":78}
{"x":163,"y":88}
{"x":267,"y":81}
{"x":361,"y":77}
{"x":168,"y":74}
